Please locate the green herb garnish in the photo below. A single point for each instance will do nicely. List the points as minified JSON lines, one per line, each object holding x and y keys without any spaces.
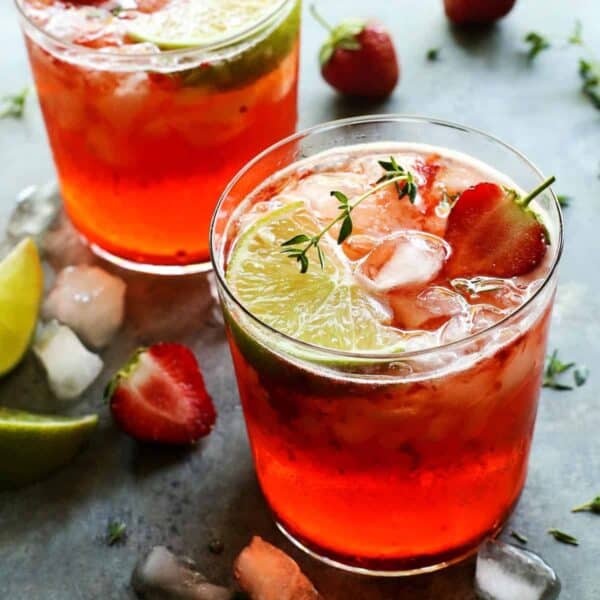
{"x":565,"y":538}
{"x":393,"y":173}
{"x":556,"y":367}
{"x":115,"y":532}
{"x":593,"y":506}
{"x":589,"y":71}
{"x":576,"y":38}
{"x":580,"y":375}
{"x":537,"y":43}
{"x":564,"y":200}
{"x":589,"y":68}
{"x":518,"y":536}
{"x":433,"y":54}
{"x":343,"y":36}
{"x":13,"y":105}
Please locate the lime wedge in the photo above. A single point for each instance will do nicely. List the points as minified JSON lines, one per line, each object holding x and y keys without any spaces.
{"x":191,"y":23}
{"x":21,"y":286}
{"x":32,"y":446}
{"x":324,"y":307}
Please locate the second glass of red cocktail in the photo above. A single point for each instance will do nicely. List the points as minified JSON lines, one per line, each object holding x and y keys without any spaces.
{"x":152,"y":106}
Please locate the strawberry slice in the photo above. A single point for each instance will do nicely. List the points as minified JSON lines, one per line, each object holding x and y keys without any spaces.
{"x":493,"y":232}
{"x":159,"y":396}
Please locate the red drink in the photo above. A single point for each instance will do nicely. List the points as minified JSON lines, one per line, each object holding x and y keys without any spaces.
{"x":372,"y":457}
{"x":144,"y":139}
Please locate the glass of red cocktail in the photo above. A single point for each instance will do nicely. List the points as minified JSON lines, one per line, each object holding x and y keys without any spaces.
{"x":151,"y":106}
{"x":390,"y":398}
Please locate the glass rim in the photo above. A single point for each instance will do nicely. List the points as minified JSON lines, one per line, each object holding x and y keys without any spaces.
{"x":222,"y":44}
{"x":374,"y":119}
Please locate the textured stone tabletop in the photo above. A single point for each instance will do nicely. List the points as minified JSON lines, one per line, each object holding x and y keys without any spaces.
{"x":51,"y":545}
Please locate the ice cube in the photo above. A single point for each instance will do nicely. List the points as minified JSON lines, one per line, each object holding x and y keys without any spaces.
{"x":316,"y":191}
{"x":70,"y":367}
{"x":36,"y":209}
{"x":63,"y":246}
{"x":505,"y":572}
{"x":403,"y":260}
{"x":476,"y":319}
{"x":139,"y":48}
{"x":441,"y":301}
{"x":504,"y":293}
{"x":90,"y":301}
{"x":163,"y":576}
{"x":358,"y":246}
{"x":429,"y":310}
{"x":79,"y":24}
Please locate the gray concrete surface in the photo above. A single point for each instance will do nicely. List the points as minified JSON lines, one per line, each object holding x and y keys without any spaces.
{"x":51,"y":545}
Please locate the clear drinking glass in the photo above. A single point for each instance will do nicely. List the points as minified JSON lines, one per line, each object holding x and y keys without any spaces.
{"x":145,"y":141}
{"x":389,"y":464}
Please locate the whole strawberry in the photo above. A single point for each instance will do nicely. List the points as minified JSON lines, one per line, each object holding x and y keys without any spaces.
{"x":159,"y":396}
{"x":475,"y":12}
{"x":359,"y":58}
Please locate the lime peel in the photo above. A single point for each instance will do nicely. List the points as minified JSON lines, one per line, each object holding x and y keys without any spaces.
{"x":21,"y":288}
{"x":33,"y":446}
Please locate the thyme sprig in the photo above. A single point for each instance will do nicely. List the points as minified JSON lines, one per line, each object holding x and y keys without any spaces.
{"x":592,"y":506}
{"x":537,"y":43}
{"x":395,"y":174}
{"x":589,"y":65}
{"x":115,"y":532}
{"x":556,"y":367}
{"x":519,"y":537}
{"x":13,"y":105}
{"x":565,"y":538}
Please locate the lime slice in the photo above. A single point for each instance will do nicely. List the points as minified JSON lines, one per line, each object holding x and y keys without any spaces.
{"x":191,"y":23}
{"x":21,"y":286}
{"x":324,"y":307}
{"x":32,"y":446}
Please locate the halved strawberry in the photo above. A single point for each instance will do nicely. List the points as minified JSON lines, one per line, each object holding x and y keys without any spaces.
{"x":159,"y":396}
{"x":493,"y":232}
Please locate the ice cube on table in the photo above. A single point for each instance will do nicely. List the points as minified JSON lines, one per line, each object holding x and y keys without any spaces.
{"x":70,"y":366}
{"x":90,"y":301}
{"x":36,"y":209}
{"x":505,"y":572}
{"x":63,"y":245}
{"x":403,"y":260}
{"x":163,"y":576}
